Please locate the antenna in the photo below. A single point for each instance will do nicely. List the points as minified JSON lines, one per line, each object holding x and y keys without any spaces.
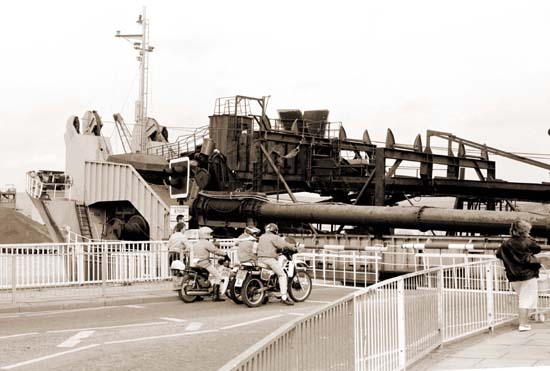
{"x":143,"y":48}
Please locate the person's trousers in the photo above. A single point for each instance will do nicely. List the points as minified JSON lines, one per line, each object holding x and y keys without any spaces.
{"x":274,"y":265}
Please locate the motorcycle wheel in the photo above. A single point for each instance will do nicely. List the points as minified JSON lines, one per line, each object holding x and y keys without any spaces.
{"x":296,"y":291}
{"x":251,"y":294}
{"x":234,"y":293}
{"x":186,"y":285}
{"x":229,"y":291}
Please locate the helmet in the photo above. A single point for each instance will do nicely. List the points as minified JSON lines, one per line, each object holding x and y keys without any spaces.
{"x":252,"y":230}
{"x":177,"y":264}
{"x":272,"y":227}
{"x":205,"y":232}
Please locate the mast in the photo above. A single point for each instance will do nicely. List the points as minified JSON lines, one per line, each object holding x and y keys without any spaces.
{"x":143,"y":48}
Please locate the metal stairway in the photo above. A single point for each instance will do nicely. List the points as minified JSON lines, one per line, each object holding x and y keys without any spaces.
{"x":83,"y":221}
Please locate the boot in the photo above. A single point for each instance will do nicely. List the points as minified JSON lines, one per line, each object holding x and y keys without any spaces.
{"x":287,"y":301}
{"x":216,"y":289}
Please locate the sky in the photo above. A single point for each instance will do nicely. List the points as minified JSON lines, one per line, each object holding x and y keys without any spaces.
{"x":478,"y":69}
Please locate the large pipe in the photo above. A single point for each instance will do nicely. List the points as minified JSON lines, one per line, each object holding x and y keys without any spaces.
{"x":410,"y":217}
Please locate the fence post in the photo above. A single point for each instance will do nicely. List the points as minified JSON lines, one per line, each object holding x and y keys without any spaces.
{"x":13,"y":277}
{"x":490,"y":296}
{"x":103,"y":268}
{"x":401,"y":330}
{"x":357,"y":340}
{"x":440,"y":311}
{"x":79,"y":252}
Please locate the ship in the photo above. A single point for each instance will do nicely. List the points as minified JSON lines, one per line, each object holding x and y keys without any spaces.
{"x":246,"y":168}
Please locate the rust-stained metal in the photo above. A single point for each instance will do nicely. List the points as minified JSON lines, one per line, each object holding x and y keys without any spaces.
{"x":304,"y":151}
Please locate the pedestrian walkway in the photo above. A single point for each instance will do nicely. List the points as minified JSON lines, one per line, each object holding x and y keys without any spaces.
{"x":505,"y":347}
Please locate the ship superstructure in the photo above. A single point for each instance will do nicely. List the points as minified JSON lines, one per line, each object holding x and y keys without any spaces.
{"x":236,"y":171}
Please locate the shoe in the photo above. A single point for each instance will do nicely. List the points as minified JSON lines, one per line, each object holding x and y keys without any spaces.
{"x":199,"y":298}
{"x":287,"y":301}
{"x":217,"y":293}
{"x":524,"y":328}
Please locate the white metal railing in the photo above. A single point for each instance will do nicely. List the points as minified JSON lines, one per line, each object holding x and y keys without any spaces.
{"x":335,"y":266}
{"x":73,"y":237}
{"x":24,"y":266}
{"x":36,"y":188}
{"x":391,"y":324}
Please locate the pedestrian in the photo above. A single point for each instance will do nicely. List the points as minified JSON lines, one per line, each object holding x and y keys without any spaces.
{"x":522,"y":268}
{"x":179,"y":219}
{"x":177,"y":244}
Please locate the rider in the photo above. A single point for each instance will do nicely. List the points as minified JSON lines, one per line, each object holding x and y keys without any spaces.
{"x":268,"y":247}
{"x":177,"y":243}
{"x":201,"y":258}
{"x":246,"y":241}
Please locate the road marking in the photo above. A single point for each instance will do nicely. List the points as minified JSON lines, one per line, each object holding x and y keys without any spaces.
{"x":76,"y":339}
{"x":193,"y":326}
{"x":158,"y":337}
{"x":321,"y":287}
{"x":319,"y":301}
{"x":47,"y":313}
{"x":108,"y":327}
{"x":251,"y":322}
{"x":296,"y":314}
{"x":17,"y":335}
{"x":47,"y":357}
{"x":173,"y":319}
{"x":135,"y":306}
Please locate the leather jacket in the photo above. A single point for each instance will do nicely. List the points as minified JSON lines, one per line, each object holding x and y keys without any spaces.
{"x":517,"y":255}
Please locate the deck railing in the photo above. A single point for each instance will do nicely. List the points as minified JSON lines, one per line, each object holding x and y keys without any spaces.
{"x":36,"y":188}
{"x":389,"y":325}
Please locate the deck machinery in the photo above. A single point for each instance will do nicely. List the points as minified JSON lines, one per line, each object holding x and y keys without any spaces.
{"x":225,"y":174}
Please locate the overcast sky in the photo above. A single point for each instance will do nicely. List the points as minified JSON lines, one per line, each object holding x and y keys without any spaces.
{"x":478,"y":69}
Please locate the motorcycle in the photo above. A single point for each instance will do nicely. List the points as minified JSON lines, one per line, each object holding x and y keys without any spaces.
{"x":257,"y":283}
{"x":192,"y":283}
{"x":237,"y":277}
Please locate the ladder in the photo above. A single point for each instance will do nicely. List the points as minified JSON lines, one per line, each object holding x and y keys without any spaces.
{"x":83,"y":221}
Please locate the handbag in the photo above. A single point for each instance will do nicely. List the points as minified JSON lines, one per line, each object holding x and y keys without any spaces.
{"x":532,"y":259}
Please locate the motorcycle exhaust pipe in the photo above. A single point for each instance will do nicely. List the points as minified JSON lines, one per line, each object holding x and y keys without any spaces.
{"x":197,"y":292}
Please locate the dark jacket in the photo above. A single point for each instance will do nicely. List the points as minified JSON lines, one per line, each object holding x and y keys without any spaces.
{"x":517,"y":255}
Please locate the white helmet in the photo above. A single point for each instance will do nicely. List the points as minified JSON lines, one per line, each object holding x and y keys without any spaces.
{"x":205,"y":232}
{"x":272,"y":227}
{"x":252,"y":230}
{"x":177,"y":264}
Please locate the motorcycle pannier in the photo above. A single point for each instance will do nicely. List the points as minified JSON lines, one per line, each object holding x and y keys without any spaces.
{"x":265,"y":274}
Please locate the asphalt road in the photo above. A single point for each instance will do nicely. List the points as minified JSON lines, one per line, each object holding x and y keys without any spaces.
{"x":157,"y":336}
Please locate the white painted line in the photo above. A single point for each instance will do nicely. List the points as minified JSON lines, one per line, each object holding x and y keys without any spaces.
{"x":135,"y":306}
{"x":327,"y":286}
{"x":3,"y":317}
{"x":251,"y":322}
{"x":318,"y":301}
{"x":17,"y":335}
{"x":158,"y":337}
{"x":108,"y":327}
{"x":173,"y":319}
{"x":193,"y":326}
{"x":76,"y":339}
{"x":31,"y":361}
{"x":36,"y":314}
{"x":296,"y":314}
